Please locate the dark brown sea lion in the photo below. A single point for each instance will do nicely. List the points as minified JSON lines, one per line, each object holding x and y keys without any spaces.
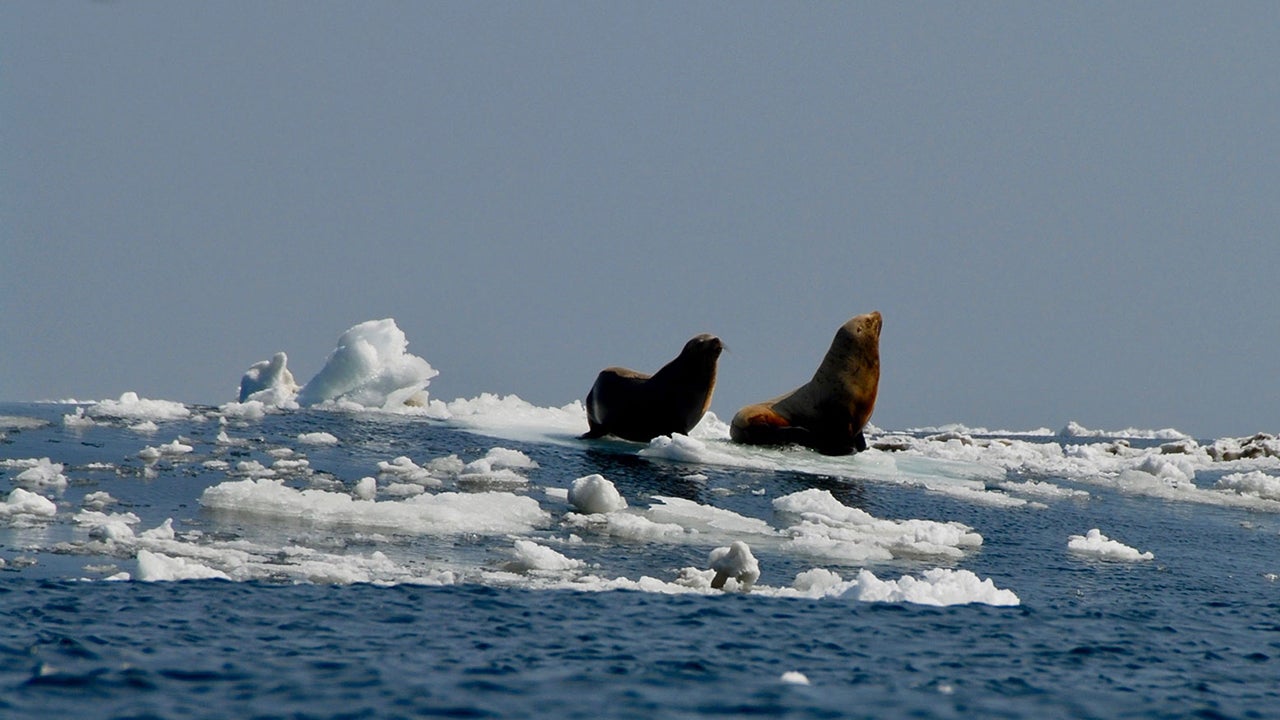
{"x":635,"y":406}
{"x":828,"y":412}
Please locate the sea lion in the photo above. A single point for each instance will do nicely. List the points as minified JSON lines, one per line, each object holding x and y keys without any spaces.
{"x":827,"y":413}
{"x":635,"y":406}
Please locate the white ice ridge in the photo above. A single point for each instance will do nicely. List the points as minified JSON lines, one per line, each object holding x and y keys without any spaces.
{"x":485,"y":513}
{"x":1095,"y":544}
{"x":938,"y":587}
{"x":822,"y":527}
{"x":1255,"y":483}
{"x":370,"y":368}
{"x":132,"y":407}
{"x":1167,"y":471}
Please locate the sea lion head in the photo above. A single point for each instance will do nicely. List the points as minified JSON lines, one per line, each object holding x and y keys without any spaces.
{"x":704,"y":348}
{"x":860,"y":336}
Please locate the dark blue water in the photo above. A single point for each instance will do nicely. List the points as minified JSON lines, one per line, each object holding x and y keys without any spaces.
{"x":1196,"y":633}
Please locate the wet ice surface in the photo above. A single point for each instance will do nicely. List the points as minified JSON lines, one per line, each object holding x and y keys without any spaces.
{"x":432,"y":562}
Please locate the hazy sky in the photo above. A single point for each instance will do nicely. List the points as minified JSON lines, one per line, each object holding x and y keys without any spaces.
{"x":1065,"y":211}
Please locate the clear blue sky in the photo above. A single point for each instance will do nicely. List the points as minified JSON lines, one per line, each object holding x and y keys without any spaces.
{"x":1065,"y":211}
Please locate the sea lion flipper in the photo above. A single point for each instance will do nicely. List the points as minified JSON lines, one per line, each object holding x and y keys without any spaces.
{"x":860,"y":441}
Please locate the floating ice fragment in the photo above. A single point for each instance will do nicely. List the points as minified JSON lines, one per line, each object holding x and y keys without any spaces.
{"x":42,"y":474}
{"x":530,"y":556}
{"x":737,"y":562}
{"x":406,"y":470}
{"x":1255,"y":483}
{"x":370,"y":368}
{"x":155,"y":567}
{"x":489,"y":513}
{"x":317,"y":438}
{"x":78,"y":420}
{"x":1098,"y":545}
{"x":269,"y":382}
{"x":939,"y":586}
{"x":793,"y":677}
{"x":595,"y":494}
{"x":163,"y":532}
{"x":98,"y":500}
{"x":24,"y":502}
{"x":366,"y":488}
{"x":132,"y":407}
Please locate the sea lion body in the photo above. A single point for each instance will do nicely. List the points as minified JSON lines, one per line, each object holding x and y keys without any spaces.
{"x":829,"y":412}
{"x":635,"y":406}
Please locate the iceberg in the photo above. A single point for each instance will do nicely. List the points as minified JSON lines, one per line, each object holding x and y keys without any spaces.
{"x":269,"y":382}
{"x":370,"y":368}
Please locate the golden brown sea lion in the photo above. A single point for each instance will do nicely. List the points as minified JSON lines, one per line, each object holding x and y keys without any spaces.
{"x":635,"y":406}
{"x":828,"y":412}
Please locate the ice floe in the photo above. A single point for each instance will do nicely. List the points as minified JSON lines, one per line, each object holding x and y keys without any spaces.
{"x":132,"y":407}
{"x":370,"y":367}
{"x":594,"y":494}
{"x":429,"y":514}
{"x":23,"y":506}
{"x":38,"y":473}
{"x":269,"y":382}
{"x":735,"y":563}
{"x":1097,"y":545}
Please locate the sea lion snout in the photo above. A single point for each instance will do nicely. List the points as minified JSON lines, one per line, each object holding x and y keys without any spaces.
{"x":705,"y":343}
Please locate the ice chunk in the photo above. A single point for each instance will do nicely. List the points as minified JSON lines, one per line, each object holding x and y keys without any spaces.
{"x":1100,"y":546}
{"x":939,"y":586}
{"x":155,"y":567}
{"x":42,"y":473}
{"x":404,"y":469}
{"x":1255,"y":483}
{"x":269,"y":382}
{"x":737,"y":562}
{"x":132,"y":407}
{"x":530,"y":556}
{"x":595,"y":494}
{"x":24,"y":502}
{"x":370,"y":368}
{"x":490,"y":513}
{"x":318,"y":438}
{"x":793,"y":677}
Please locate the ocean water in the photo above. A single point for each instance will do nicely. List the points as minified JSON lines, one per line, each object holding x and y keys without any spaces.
{"x":169,"y":561}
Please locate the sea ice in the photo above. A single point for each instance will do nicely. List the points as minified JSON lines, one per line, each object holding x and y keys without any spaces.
{"x":529,"y":556}
{"x":1096,"y":544}
{"x":595,"y":494}
{"x":370,"y":368}
{"x":269,"y":382}
{"x":318,"y":438}
{"x":132,"y":407}
{"x":734,"y":562}
{"x":404,"y":469}
{"x":26,"y":503}
{"x":939,"y":586}
{"x":488,"y":513}
{"x":40,"y":474}
{"x":832,"y":530}
{"x":1255,"y":483}
{"x":154,"y":567}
